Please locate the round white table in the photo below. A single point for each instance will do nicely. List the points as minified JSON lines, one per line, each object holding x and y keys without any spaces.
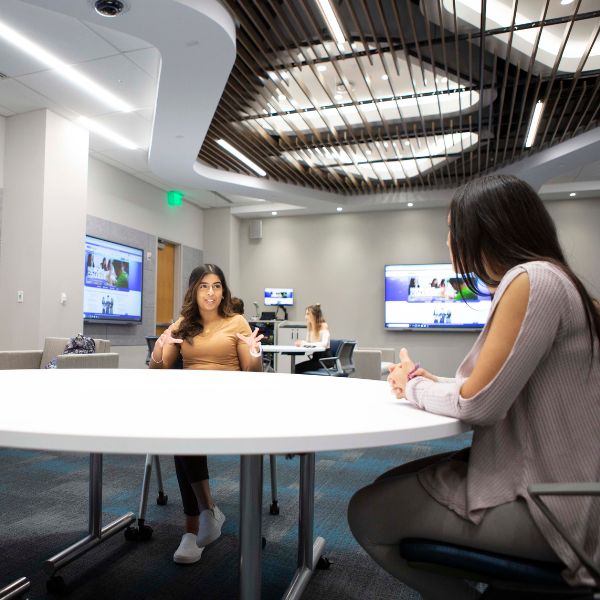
{"x":214,"y":412}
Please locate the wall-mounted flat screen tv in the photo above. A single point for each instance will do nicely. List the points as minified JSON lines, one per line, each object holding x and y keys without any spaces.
{"x":112,"y":290}
{"x":432,"y":297}
{"x":279,"y":297}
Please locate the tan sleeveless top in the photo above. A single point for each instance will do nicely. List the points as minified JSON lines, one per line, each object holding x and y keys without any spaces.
{"x":217,"y":348}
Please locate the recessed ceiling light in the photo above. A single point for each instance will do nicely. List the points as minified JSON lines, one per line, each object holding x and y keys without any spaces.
{"x":242,"y":157}
{"x":339,"y":209}
{"x":572,"y":194}
{"x":274,"y":213}
{"x":107,"y":133}
{"x":53,"y":62}
{"x":410,"y":205}
{"x":338,"y":97}
{"x":565,"y":2}
{"x":281,"y":97}
{"x":322,"y":68}
{"x":406,"y":143}
{"x":384,"y":77}
{"x":369,"y":152}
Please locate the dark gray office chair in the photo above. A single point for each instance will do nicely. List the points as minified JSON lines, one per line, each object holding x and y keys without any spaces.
{"x":339,"y":365}
{"x":510,"y":577}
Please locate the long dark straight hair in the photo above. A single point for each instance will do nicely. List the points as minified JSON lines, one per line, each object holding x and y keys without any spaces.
{"x":498,"y":222}
{"x":192,"y":324}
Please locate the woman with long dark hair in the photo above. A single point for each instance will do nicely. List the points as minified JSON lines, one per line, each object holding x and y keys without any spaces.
{"x":530,"y":387}
{"x":209,"y":336}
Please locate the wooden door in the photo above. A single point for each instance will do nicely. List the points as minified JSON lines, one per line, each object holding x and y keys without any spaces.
{"x":165,"y":278}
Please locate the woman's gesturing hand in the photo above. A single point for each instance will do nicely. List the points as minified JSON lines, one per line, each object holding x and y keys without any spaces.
{"x":253,"y":341}
{"x":166,"y":337}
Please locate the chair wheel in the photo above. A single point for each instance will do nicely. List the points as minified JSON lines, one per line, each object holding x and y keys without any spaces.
{"x":274,"y":508}
{"x":138,"y":534}
{"x":264,"y":542}
{"x":56,"y":585}
{"x":323,"y":563}
{"x":162,"y":499}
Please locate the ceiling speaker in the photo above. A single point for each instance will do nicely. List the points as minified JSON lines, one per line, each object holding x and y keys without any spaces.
{"x":255,"y":229}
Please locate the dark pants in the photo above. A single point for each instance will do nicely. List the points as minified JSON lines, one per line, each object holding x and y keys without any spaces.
{"x":313,"y":364}
{"x":190,"y":469}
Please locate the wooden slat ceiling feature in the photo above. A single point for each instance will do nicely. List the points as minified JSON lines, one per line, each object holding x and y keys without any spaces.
{"x":422,"y":94}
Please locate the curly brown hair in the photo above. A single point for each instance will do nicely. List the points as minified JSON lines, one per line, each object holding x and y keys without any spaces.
{"x":191,"y":324}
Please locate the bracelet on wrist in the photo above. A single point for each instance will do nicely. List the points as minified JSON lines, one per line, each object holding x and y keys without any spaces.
{"x":158,"y":362}
{"x":256,"y":354}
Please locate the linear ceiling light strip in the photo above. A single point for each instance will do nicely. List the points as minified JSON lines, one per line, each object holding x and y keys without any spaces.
{"x":526,"y":102}
{"x":100,"y":93}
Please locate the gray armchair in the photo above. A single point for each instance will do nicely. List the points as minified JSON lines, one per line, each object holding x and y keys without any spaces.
{"x":103,"y":358}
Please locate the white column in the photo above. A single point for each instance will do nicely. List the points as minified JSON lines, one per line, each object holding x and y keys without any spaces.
{"x":43,"y":229}
{"x":222,"y":245}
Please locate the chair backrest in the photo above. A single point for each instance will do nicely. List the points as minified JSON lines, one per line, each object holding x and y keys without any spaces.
{"x":335,"y":347}
{"x":345,"y":357}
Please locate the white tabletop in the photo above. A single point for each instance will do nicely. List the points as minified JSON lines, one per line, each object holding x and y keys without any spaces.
{"x":174,"y":411}
{"x":291,"y":349}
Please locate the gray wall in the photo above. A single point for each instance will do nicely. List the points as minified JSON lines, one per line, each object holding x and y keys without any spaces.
{"x":338,"y":260}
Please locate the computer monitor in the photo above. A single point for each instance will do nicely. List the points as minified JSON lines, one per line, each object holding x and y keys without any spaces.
{"x":279,"y":297}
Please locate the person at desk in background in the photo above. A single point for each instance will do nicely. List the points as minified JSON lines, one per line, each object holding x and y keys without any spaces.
{"x":237,"y":305}
{"x":530,"y":387}
{"x":317,"y":336}
{"x":209,"y":336}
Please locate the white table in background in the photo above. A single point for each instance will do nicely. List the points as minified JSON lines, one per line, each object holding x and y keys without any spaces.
{"x":142,"y":414}
{"x":293,"y":351}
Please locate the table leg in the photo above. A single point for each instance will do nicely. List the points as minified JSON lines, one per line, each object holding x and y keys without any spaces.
{"x":251,"y":480}
{"x":16,"y":589}
{"x":292,"y":363}
{"x":309,"y":552}
{"x":96,"y":533}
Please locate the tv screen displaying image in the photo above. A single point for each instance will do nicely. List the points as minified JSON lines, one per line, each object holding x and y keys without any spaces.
{"x":432,"y":297}
{"x":112,"y":290}
{"x":279,"y":297}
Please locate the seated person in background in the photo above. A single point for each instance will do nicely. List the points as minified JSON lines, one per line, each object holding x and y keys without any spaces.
{"x":317,"y":335}
{"x":237,"y":305}
{"x":209,"y":336}
{"x":530,"y":387}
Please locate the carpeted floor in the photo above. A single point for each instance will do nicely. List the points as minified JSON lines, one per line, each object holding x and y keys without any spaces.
{"x":43,"y":509}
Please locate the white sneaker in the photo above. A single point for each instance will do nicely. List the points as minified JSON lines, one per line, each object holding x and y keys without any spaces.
{"x":211,"y":521}
{"x":188,"y":551}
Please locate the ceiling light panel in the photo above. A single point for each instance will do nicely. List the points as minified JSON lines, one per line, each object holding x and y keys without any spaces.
{"x":499,"y":13}
{"x":350,"y":101}
{"x":351,"y":156}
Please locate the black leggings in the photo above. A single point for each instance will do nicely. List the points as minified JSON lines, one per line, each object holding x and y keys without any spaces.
{"x":313,"y":364}
{"x":190,"y":469}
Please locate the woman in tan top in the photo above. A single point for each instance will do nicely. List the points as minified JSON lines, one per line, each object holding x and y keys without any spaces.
{"x":530,"y":387}
{"x":209,"y":336}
